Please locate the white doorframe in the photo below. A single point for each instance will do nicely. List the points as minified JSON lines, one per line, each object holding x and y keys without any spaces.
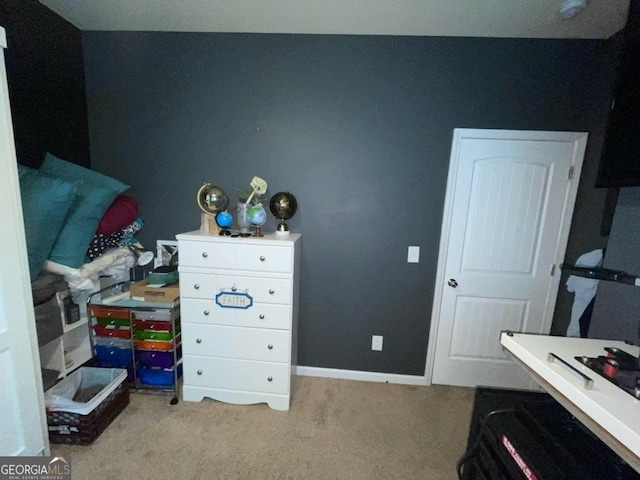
{"x":24,"y":423}
{"x":580,"y":142}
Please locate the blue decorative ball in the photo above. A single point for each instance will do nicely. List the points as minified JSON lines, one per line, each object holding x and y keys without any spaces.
{"x":224,"y":219}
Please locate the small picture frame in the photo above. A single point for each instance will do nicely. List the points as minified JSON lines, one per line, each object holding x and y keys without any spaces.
{"x":166,"y":253}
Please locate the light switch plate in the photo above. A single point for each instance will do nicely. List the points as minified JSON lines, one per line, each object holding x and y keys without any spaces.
{"x":376,"y":342}
{"x":413,"y":255}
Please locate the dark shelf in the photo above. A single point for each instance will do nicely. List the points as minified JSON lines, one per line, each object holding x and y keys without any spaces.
{"x":598,"y":273}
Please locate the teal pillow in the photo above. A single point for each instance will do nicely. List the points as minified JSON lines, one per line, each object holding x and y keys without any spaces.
{"x":55,"y":167}
{"x":45,"y":204}
{"x":95,"y":193}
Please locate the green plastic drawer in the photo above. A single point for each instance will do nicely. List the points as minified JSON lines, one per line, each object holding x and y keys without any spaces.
{"x":153,"y":335}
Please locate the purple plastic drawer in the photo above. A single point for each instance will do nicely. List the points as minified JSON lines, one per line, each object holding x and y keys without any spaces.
{"x":155,"y":359}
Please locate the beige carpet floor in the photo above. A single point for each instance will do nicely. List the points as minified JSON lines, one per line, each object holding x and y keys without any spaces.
{"x":335,"y":429}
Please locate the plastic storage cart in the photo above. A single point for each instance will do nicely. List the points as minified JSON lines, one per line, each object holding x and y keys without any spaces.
{"x":139,"y":336}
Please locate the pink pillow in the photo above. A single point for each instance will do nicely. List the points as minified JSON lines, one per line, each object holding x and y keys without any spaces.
{"x":122,"y":212}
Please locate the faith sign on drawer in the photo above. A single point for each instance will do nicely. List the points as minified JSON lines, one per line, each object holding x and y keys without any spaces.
{"x":234,"y":300}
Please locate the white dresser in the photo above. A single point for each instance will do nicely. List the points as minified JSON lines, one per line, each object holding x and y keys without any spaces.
{"x":239,"y":309}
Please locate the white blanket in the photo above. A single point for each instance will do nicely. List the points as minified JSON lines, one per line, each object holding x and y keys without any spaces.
{"x":113,"y":263}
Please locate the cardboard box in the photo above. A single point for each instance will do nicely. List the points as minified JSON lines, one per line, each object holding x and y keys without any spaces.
{"x":142,"y":291}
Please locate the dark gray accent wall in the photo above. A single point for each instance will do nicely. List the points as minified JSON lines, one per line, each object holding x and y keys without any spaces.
{"x":615,"y":312}
{"x":359,"y":128}
{"x":45,"y":73}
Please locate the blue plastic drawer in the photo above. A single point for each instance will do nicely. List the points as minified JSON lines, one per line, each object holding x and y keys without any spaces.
{"x":113,"y":356}
{"x":157,"y":377}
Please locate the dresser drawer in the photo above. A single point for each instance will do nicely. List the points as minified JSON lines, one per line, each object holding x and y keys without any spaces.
{"x":264,"y":258}
{"x":236,"y":256}
{"x":260,"y":315}
{"x":236,"y":342}
{"x":261,"y":290}
{"x":236,"y":374}
{"x":207,"y":254}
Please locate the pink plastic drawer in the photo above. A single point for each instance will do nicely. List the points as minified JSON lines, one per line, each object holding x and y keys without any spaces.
{"x":110,"y":312}
{"x":154,"y":325}
{"x":120,"y":332}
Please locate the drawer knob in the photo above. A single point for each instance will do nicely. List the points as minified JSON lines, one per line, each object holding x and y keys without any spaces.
{"x":270,"y":347}
{"x":205,"y":254}
{"x":198,"y":340}
{"x":206,"y":313}
{"x":262,"y":259}
{"x":261,"y":316}
{"x":199,"y":372}
{"x":271,"y":291}
{"x":270,"y":379}
{"x":197,"y":286}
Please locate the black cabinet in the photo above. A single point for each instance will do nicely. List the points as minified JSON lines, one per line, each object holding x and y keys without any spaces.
{"x":620,"y":162}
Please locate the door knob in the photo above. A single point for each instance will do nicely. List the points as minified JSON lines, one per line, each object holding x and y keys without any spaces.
{"x":452,"y":283}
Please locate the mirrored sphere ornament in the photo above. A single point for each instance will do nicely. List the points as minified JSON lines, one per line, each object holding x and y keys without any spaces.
{"x":283,"y":206}
{"x":212,"y":199}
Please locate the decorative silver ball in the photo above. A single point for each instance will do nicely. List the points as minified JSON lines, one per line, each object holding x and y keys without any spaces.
{"x":212,"y":199}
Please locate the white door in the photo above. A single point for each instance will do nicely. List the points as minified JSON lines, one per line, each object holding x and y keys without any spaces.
{"x":510,"y":198}
{"x":23,"y":427}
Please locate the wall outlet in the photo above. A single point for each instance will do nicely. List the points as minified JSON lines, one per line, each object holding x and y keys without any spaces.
{"x":413,"y":255}
{"x":376,"y":342}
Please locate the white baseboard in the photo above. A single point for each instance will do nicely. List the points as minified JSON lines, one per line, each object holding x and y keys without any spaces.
{"x":361,"y":376}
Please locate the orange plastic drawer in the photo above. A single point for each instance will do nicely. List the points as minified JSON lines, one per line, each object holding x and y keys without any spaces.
{"x":159,"y":345}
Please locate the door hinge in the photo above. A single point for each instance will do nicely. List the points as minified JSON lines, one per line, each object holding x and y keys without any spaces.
{"x":571,"y":170}
{"x":553,"y":270}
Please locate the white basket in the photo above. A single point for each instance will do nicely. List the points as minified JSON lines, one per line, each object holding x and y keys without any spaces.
{"x":60,"y":396}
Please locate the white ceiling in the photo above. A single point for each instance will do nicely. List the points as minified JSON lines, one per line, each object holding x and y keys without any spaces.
{"x":468,"y":18}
